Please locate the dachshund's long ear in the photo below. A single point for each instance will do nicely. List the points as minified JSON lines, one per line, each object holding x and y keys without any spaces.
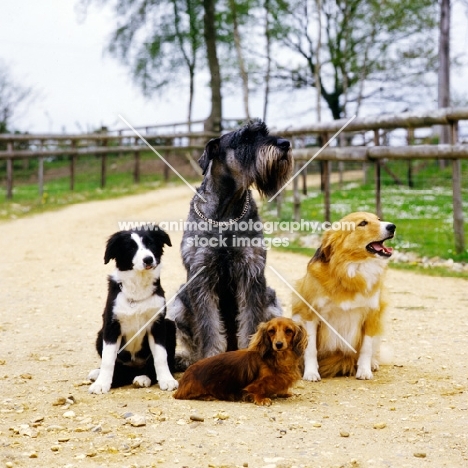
{"x":211,"y":151}
{"x":260,"y":341}
{"x":300,"y":340}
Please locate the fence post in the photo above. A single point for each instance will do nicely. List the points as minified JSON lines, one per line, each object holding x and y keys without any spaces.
{"x":103,"y":166}
{"x":378,"y":194}
{"x":279,"y":202}
{"x":458,"y":223}
{"x":409,"y":141}
{"x":326,"y":183}
{"x":9,"y":168}
{"x":296,"y":194}
{"x":136,"y":173}
{"x":40,"y":171}
{"x":73,"y":166}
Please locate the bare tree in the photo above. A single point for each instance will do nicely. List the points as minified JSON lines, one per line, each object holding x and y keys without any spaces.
{"x":12,"y":97}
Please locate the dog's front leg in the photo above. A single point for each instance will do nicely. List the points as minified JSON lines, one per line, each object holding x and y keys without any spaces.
{"x":311,"y":367}
{"x":109,"y":355}
{"x":364,"y":371}
{"x":208,"y":330}
{"x":163,"y":374}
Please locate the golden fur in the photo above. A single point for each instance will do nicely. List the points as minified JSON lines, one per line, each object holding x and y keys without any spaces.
{"x":344,"y":284}
{"x":268,"y":367}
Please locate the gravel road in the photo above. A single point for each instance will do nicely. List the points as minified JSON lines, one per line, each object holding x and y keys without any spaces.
{"x":52,"y":289}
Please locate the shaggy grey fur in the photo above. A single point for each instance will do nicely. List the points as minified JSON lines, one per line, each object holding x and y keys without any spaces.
{"x":222,"y":307}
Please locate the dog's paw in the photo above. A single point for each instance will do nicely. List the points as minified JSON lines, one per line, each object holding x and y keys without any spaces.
{"x":99,"y":387}
{"x":364,"y":374}
{"x":182,"y":362}
{"x":260,"y":401}
{"x":168,"y":384}
{"x":375,"y":366}
{"x":312,"y":376}
{"x":94,"y":374}
{"x":142,"y":381}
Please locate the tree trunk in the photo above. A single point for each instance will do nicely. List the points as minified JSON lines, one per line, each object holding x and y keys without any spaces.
{"x":268,"y":57}
{"x":240,"y":58}
{"x":318,"y":64}
{"x":444,"y":65}
{"x":213,"y":122}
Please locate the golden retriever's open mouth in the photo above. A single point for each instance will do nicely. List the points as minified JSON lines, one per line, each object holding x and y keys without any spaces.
{"x":378,"y":247}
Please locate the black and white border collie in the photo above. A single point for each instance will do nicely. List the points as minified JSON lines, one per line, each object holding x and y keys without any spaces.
{"x":134,"y":318}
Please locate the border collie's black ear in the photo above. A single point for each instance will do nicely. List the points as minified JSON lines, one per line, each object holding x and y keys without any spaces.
{"x":211,"y":150}
{"x":161,"y":236}
{"x":113,"y":246}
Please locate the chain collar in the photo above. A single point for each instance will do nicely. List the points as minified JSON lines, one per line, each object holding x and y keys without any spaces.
{"x":224,"y":223}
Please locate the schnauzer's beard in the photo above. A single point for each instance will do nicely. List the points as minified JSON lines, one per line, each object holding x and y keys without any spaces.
{"x":274,"y":168}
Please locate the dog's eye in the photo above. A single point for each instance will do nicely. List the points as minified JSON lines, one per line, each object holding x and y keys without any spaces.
{"x":289,"y":331}
{"x":271,"y":331}
{"x":363,"y":223}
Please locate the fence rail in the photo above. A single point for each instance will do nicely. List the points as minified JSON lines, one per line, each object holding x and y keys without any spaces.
{"x":183,"y":144}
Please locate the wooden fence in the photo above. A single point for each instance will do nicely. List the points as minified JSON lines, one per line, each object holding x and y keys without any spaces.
{"x":184,"y":143}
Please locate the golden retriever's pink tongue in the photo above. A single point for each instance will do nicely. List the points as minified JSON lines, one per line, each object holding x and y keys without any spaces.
{"x":378,"y":247}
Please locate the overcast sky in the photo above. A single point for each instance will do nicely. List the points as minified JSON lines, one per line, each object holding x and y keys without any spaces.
{"x":81,"y":88}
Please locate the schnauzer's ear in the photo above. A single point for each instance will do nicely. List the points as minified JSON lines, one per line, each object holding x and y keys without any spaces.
{"x":113,"y":246}
{"x":211,"y":150}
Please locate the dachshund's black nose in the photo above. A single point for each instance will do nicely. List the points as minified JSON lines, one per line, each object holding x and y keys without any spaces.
{"x":279,"y":344}
{"x":148,"y":260}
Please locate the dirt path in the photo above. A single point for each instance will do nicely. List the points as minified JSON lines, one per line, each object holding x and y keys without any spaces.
{"x":52,"y":289}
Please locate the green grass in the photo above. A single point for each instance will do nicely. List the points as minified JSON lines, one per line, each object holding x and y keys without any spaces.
{"x":57,"y":193}
{"x":423,"y":214}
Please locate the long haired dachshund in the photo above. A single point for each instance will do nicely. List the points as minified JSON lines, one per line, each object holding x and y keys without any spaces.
{"x":267,"y":368}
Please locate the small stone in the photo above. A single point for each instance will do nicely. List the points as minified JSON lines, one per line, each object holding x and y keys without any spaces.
{"x":91,"y":453}
{"x":419,"y":454}
{"x":137,"y":420}
{"x":59,"y":401}
{"x":63,"y":439}
{"x":316,"y":424}
{"x":27,"y":431}
{"x":55,"y":448}
{"x":9,"y":465}
{"x":222,"y":415}
{"x":26,"y":376}
{"x":97,"y":428}
{"x":380,"y":425}
{"x":37,"y":419}
{"x":32,"y":455}
{"x":135,"y":444}
{"x":127,"y":415}
{"x":344,"y":434}
{"x":54,"y":427}
{"x":196,"y":417}
{"x":69,"y":414}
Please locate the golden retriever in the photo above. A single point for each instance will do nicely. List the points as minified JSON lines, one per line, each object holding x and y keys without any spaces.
{"x":344,"y":284}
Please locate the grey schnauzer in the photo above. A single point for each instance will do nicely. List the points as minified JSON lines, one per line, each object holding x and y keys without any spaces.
{"x":219,"y":308}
